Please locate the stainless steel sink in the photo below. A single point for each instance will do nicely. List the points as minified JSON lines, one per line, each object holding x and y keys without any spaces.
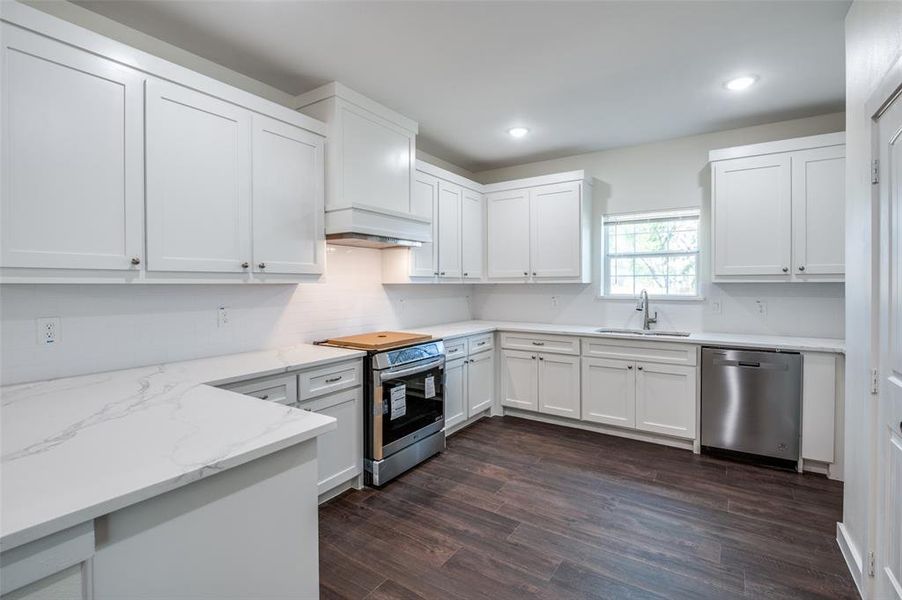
{"x":650,"y":333}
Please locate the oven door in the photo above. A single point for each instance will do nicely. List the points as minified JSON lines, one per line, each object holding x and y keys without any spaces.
{"x":408,"y":405}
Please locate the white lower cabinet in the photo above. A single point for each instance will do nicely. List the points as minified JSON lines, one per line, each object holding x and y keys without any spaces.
{"x":665,"y":399}
{"x":455,"y":392}
{"x":609,"y":392}
{"x":559,"y":385}
{"x":339,"y":452}
{"x":519,"y":379}
{"x":480,"y":382}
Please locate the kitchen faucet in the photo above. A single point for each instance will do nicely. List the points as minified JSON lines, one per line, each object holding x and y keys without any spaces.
{"x":643,"y":308}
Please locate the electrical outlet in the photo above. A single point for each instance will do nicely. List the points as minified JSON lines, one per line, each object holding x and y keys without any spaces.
{"x":716,"y":307}
{"x":554,"y":301}
{"x":222,"y":316}
{"x":48,"y":329}
{"x":761,"y":305}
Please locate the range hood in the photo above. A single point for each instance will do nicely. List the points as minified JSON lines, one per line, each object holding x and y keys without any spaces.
{"x":368,"y":240}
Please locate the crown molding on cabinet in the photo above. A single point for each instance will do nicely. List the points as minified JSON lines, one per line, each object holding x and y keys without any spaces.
{"x":790,"y":145}
{"x":339,"y":90}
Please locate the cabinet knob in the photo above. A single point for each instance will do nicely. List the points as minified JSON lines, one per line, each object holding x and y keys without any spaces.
{"x":245,"y":265}
{"x":801,"y":267}
{"x":436,"y":273}
{"x":786,"y":269}
{"x":262,"y":265}
{"x":135,"y":260}
{"x":465,"y":274}
{"x":630,"y":367}
{"x":640,"y":368}
{"x":525,"y":274}
{"x":532,"y":357}
{"x":541,"y":358}
{"x":442,"y":273}
{"x":533,"y":273}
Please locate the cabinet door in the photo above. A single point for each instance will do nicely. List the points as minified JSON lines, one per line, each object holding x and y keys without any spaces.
{"x":609,"y":392}
{"x":455,"y":392}
{"x":198,"y":181}
{"x":752,"y":218}
{"x":339,"y":453}
{"x":819,"y":211}
{"x":665,"y":399}
{"x":555,"y":230}
{"x":72,"y":156}
{"x":559,"y":385}
{"x":480,"y":382}
{"x":288,"y":198}
{"x":472,"y":234}
{"x":424,"y":203}
{"x":507,"y":234}
{"x":519,"y":379}
{"x":449,"y":213}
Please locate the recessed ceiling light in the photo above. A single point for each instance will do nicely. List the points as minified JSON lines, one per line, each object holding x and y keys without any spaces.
{"x":741,"y":83}
{"x":518,"y":132}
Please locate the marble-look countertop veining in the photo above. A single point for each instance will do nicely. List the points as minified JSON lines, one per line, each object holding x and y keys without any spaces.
{"x":77,"y":448}
{"x":737,"y":340}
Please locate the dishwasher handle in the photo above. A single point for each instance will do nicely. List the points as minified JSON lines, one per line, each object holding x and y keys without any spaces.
{"x":749,"y":364}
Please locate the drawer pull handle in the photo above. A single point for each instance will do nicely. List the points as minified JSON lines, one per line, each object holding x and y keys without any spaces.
{"x":333,"y":379}
{"x":264,"y":397}
{"x":538,"y":343}
{"x":480,"y":344}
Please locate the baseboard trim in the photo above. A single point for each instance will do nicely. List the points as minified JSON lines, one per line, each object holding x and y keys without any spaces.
{"x":463,"y":424}
{"x":352,"y":483}
{"x":852,"y":556}
{"x":599,"y":428}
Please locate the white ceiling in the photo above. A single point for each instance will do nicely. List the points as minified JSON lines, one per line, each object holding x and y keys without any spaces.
{"x":582,"y":76}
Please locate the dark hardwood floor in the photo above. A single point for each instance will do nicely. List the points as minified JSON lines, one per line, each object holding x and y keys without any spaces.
{"x":519,"y":509}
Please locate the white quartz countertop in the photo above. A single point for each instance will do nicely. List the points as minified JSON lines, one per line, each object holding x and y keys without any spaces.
{"x":737,"y":340}
{"x":77,"y":448}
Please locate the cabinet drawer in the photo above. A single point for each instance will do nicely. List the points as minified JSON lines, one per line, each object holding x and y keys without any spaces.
{"x":660,"y":352}
{"x":282,"y":388}
{"x":329,"y":379}
{"x":540,"y":343}
{"x":479,"y":343}
{"x":455,"y":348}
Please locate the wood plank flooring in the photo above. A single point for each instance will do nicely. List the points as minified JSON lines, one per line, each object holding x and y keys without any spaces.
{"x":520,"y":509}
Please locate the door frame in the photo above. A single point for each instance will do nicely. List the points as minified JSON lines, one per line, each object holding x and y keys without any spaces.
{"x":887,"y":92}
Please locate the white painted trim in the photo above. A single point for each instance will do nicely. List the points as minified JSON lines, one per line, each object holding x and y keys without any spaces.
{"x":339,"y":90}
{"x":664,"y":440}
{"x":852,"y":556}
{"x":464,"y":424}
{"x":430,"y":169}
{"x":513,"y":184}
{"x":351,"y":484}
{"x":790,"y":145}
{"x":44,"y":24}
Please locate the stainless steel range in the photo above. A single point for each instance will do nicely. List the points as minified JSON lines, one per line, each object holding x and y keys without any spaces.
{"x":404,"y":409}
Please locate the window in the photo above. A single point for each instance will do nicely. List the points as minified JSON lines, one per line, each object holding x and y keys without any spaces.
{"x":657,"y":252}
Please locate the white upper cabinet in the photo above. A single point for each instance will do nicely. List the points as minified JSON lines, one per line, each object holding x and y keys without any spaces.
{"x":370,"y":166}
{"x":198,"y":181}
{"x":72,"y":156}
{"x":507,"y":234}
{"x":424,"y":203}
{"x":287,"y":198}
{"x":472,"y":234}
{"x":449,"y":214}
{"x":818,"y":211}
{"x":555,"y":227}
{"x":779,"y":209}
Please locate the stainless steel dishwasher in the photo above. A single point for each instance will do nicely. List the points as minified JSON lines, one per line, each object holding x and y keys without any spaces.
{"x":752,"y":402}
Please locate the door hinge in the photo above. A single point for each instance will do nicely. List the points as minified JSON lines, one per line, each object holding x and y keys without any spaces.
{"x":871,"y":567}
{"x":875,"y":381}
{"x":875,"y":171}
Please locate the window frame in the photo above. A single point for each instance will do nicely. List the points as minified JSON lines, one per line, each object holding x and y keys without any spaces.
{"x":646,"y":216}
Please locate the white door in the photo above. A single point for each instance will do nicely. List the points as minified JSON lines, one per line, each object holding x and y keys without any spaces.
{"x":72,"y":156}
{"x":339,"y":453}
{"x":752,"y":196}
{"x":507,"y":234}
{"x":480,"y":382}
{"x":455,"y":392}
{"x":198,"y":181}
{"x":819,"y":211}
{"x":559,"y":385}
{"x":609,"y":392}
{"x":449,"y":209}
{"x":665,"y":399}
{"x":555,"y":230}
{"x":519,"y":379}
{"x":288,"y":198}
{"x":889,"y":432}
{"x":472,"y":234}
{"x":424,"y":203}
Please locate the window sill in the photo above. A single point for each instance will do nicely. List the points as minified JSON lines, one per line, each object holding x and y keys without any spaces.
{"x":629,"y":298}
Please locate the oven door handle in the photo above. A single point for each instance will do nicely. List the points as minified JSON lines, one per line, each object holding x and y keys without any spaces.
{"x":396,"y":373}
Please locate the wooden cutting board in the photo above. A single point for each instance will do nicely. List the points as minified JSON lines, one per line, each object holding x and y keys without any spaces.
{"x":379,"y":340}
